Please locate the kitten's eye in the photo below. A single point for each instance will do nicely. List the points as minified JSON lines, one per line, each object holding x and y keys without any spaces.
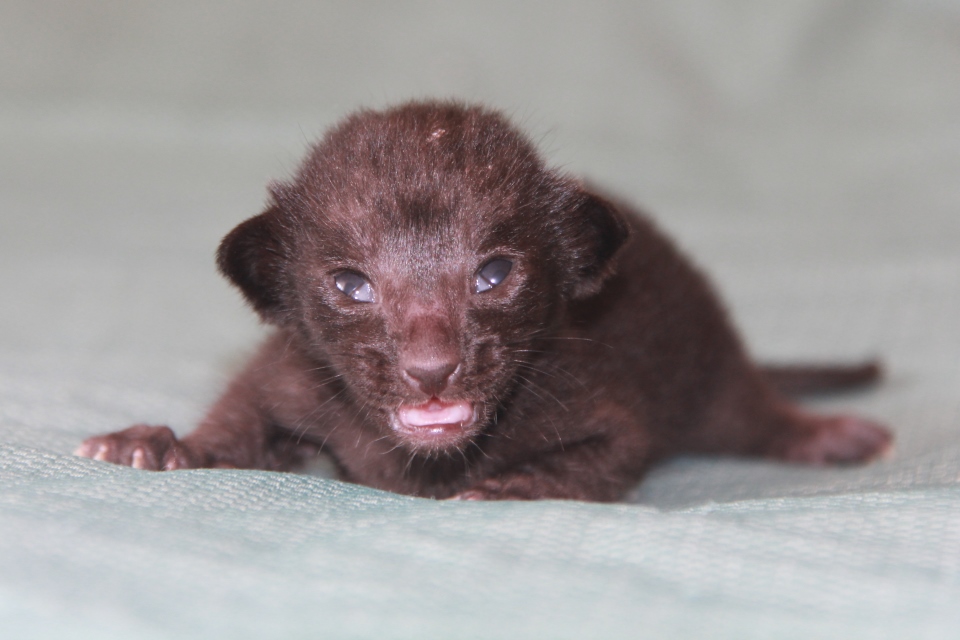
{"x":354,"y":285}
{"x":491,"y":274}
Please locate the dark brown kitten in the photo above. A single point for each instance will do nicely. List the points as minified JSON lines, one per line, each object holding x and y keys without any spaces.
{"x":455,"y":319}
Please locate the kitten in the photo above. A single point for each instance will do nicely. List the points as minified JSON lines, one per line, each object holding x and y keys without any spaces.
{"x":456,"y":319}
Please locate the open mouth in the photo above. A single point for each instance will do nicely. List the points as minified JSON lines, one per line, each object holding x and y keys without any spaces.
{"x":435,"y":423}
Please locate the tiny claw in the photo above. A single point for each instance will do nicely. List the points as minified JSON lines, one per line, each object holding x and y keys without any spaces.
{"x":101,"y":453}
{"x":887,"y":453}
{"x":174,"y":460}
{"x":139,"y":459}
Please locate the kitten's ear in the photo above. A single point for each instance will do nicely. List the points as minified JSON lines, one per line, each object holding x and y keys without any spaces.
{"x":253,"y":258}
{"x":595,"y":232}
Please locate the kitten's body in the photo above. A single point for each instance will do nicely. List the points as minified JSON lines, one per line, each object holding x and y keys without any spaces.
{"x":593,"y":357}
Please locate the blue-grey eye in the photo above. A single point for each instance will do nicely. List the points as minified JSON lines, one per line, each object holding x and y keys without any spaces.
{"x":354,"y":285}
{"x":491,"y":274}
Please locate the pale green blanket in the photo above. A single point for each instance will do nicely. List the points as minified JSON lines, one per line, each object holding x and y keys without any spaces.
{"x":102,"y":552}
{"x":807,"y":153}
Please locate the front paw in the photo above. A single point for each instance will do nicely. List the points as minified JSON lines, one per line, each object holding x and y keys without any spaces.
{"x":141,"y":447}
{"x":471,"y":494}
{"x":518,"y":487}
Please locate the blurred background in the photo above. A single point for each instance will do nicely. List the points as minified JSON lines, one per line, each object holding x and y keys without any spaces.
{"x":806,"y":153}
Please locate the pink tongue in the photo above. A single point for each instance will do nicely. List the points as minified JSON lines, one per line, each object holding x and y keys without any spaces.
{"x":436,"y":412}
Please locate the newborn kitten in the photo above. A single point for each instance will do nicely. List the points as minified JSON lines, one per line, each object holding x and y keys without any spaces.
{"x":455,"y":319}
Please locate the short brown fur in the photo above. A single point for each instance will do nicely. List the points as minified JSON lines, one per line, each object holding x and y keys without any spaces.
{"x":602,"y":352}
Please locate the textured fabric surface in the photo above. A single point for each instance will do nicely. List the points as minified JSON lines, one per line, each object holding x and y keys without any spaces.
{"x":807,"y":154}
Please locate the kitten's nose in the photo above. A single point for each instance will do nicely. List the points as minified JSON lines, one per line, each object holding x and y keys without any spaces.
{"x":432,"y":378}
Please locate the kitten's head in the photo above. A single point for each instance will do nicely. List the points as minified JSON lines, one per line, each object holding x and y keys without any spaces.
{"x":420,"y":250}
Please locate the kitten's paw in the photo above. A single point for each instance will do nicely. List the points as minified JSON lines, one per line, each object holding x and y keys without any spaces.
{"x":140,"y":446}
{"x":517,"y":487}
{"x":469,"y":494}
{"x":837,"y":440}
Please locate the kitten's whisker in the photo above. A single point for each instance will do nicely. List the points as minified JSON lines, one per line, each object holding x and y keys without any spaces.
{"x":533,"y":384}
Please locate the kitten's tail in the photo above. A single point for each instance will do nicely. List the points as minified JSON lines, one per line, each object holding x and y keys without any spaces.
{"x":802,"y":380}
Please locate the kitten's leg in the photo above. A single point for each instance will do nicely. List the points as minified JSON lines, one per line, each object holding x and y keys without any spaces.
{"x":822,"y":440}
{"x":600,"y":468}
{"x":234,"y":434}
{"x":581,"y":472}
{"x":752,"y":419}
{"x":142,"y":447}
{"x":249,"y":427}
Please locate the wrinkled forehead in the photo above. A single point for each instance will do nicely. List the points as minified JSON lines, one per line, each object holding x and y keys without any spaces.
{"x":401,"y":224}
{"x":415,"y":186}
